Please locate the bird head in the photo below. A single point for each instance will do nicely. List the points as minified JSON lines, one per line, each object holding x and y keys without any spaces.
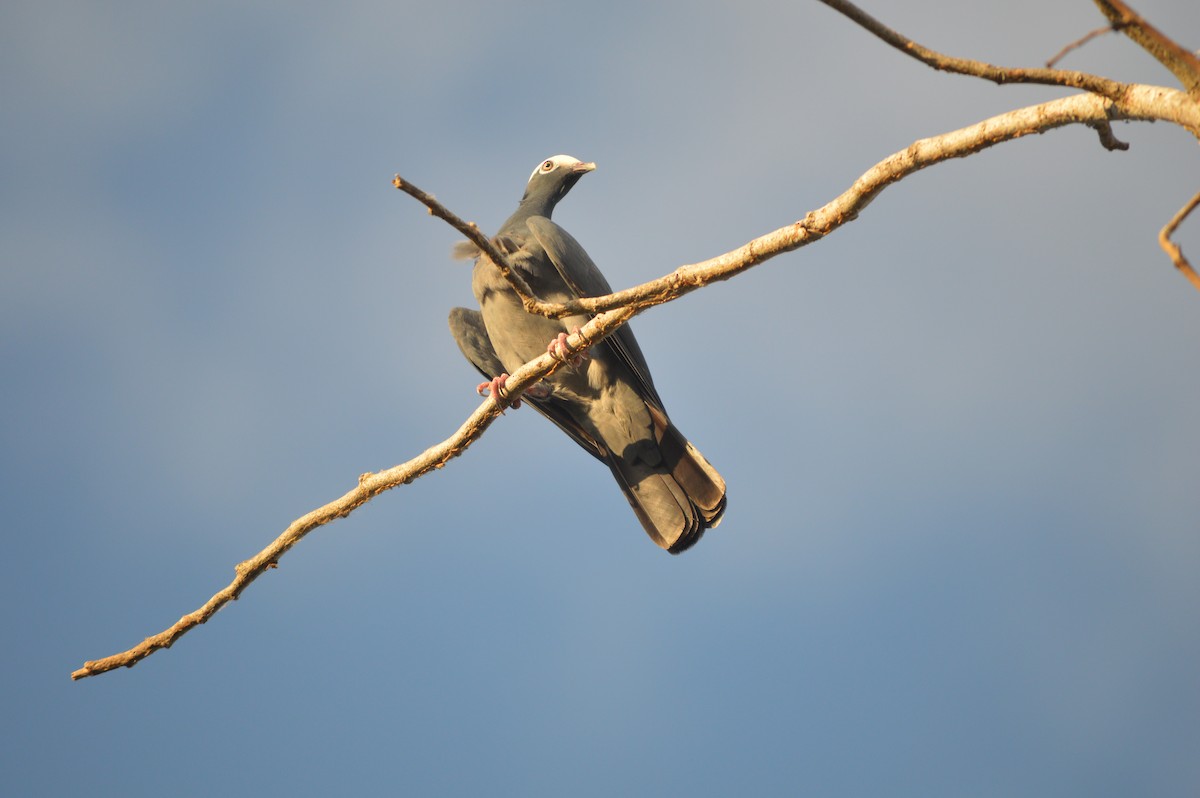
{"x":553,"y":178}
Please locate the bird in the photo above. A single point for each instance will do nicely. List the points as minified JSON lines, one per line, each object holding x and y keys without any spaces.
{"x":603,"y":398}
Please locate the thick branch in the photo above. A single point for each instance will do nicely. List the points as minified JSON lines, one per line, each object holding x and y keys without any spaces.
{"x":1139,"y":103}
{"x":1182,"y":64}
{"x":980,"y":69}
{"x":1172,"y":249}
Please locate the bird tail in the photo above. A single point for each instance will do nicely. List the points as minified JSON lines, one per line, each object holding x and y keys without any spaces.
{"x":677,"y":499}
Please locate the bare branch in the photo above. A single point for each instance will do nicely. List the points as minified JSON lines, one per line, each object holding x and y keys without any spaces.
{"x":980,"y":69}
{"x":1081,"y":41}
{"x":1173,"y":250}
{"x":476,"y":236}
{"x":1182,"y":63}
{"x":530,"y":300}
{"x":369,"y":486}
{"x":1137,"y":103}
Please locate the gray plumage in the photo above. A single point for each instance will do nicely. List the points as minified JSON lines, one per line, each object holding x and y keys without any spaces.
{"x":608,"y":404}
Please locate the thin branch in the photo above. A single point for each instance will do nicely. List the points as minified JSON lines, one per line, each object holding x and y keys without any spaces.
{"x":1173,"y":250}
{"x":369,"y":486}
{"x":1138,"y":103}
{"x":1081,"y":41}
{"x":530,"y":300}
{"x":1182,"y":64}
{"x":980,"y":69}
{"x":476,"y":236}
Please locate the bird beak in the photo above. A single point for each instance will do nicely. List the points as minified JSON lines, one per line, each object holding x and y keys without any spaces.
{"x":583,"y":168}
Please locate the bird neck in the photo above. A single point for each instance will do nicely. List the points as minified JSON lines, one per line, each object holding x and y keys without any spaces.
{"x":529,"y":207}
{"x":536,"y":205}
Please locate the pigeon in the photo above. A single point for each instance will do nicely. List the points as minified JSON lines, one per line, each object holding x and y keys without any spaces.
{"x":604,"y":397}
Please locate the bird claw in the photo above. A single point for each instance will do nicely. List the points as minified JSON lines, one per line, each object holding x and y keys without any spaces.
{"x":560,"y":350}
{"x":495,"y":389}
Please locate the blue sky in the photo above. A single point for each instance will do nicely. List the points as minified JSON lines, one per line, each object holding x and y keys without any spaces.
{"x":959,"y":435}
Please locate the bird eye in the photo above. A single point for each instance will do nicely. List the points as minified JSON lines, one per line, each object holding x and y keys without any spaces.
{"x":547,"y":166}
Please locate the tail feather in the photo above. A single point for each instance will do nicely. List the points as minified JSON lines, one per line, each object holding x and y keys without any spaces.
{"x":679,"y":498}
{"x":661,"y":506}
{"x":699,"y":480}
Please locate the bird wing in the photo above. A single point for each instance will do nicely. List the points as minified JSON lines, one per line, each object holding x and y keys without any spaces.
{"x":471,"y":336}
{"x":584,"y":279}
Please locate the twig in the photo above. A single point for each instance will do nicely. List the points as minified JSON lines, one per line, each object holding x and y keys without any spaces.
{"x":1108,"y":139}
{"x":980,"y":69}
{"x":1080,"y":42}
{"x":1173,"y":250}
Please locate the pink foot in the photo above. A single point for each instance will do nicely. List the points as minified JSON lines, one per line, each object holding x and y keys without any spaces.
{"x":559,"y":349}
{"x":495,"y":389}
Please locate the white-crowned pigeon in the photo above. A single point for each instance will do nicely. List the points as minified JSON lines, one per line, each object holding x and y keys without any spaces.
{"x":606,"y":400}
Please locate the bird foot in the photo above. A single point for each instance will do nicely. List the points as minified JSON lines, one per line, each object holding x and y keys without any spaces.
{"x":559,"y":350}
{"x":495,"y":389}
